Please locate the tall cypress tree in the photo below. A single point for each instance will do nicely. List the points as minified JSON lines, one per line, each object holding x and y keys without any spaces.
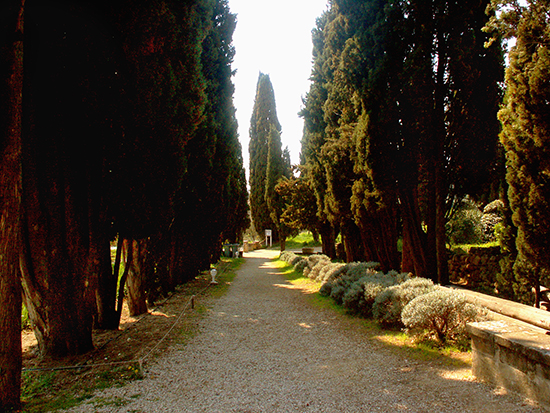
{"x":278,"y":167}
{"x":314,"y":134}
{"x":526,"y":138}
{"x":263,"y":120}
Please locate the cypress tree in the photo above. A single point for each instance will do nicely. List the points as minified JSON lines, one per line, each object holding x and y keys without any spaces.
{"x":526,"y":137}
{"x":278,"y":167}
{"x":314,"y":135}
{"x":263,"y":121}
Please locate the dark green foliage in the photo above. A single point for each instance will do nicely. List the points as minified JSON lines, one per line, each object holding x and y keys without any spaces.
{"x":130,"y":129}
{"x":525,"y":136}
{"x":314,"y":135}
{"x":277,"y":169}
{"x":300,"y":212}
{"x":464,"y":226}
{"x":212,"y":201}
{"x":384,"y":123}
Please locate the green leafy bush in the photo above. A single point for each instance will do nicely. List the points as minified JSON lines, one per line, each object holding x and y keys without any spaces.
{"x":389,"y":304}
{"x":464,"y":227}
{"x":441,"y":314}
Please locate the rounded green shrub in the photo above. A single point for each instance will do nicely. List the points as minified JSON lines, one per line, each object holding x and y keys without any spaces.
{"x":389,"y":304}
{"x":442,"y":314}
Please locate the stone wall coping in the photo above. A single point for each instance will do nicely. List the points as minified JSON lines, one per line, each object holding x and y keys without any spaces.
{"x":530,"y":315}
{"x":532,"y":343}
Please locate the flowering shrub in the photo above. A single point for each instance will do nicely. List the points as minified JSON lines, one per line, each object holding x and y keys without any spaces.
{"x":442,"y":314}
{"x":389,"y":304}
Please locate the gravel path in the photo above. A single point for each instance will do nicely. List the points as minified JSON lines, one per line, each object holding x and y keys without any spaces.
{"x":262,"y":348}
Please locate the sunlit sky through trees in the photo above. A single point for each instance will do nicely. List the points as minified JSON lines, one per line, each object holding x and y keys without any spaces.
{"x":274,"y":37}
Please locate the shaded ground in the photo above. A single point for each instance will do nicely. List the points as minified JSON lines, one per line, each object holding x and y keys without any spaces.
{"x":138,"y":337}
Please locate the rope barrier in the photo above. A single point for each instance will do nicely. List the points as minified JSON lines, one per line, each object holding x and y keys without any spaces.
{"x":190,"y":303}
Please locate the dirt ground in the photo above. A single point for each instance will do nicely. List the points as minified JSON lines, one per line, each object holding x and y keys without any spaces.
{"x":138,"y":337}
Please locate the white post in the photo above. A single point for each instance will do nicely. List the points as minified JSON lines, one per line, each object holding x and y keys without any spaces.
{"x":213,"y":273}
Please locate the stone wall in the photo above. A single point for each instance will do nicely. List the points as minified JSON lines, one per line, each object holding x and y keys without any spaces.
{"x":476,"y":269}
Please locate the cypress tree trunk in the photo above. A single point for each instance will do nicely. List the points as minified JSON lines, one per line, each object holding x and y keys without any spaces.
{"x":11,"y":88}
{"x":58,"y":290}
{"x":106,"y":285}
{"x":137,"y":299}
{"x":353,"y":245}
{"x":328,"y":240}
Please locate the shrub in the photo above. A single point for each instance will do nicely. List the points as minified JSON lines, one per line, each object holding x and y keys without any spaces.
{"x":464,"y":227}
{"x":341,"y":284}
{"x":300,"y":265}
{"x":389,"y":304}
{"x":328,"y":271}
{"x":316,"y":270}
{"x":289,"y":257}
{"x":360,"y":269}
{"x":325,"y":289}
{"x":374,"y":286}
{"x":360,"y":294}
{"x":293,"y":259}
{"x":442,"y":314}
{"x":312,"y":261}
{"x":492,"y":216}
{"x":337,"y":293}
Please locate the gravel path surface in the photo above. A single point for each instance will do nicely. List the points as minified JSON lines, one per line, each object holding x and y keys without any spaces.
{"x":262,"y":348}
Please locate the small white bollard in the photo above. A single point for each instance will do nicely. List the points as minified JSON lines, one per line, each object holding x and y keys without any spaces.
{"x":213,"y":273}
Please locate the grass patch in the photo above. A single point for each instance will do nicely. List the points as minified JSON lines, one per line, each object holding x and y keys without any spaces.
{"x":226,"y":268}
{"x":39,"y":393}
{"x":466,"y":247}
{"x":303,"y":239}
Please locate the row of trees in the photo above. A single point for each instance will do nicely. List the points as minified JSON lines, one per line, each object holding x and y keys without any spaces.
{"x":400,"y":121}
{"x":117,"y":123}
{"x":401,"y":124}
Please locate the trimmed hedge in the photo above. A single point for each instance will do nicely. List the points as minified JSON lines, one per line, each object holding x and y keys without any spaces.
{"x":393,"y":299}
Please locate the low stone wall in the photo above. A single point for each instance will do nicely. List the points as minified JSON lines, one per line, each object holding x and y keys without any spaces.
{"x":510,"y":354}
{"x":475,"y":269}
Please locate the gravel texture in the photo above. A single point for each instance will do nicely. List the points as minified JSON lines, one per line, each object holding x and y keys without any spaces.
{"x":263,"y":348}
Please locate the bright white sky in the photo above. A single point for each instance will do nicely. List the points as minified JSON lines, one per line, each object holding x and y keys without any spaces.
{"x":274,"y":37}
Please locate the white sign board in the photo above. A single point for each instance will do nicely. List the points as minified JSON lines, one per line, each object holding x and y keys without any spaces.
{"x":268,"y":236}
